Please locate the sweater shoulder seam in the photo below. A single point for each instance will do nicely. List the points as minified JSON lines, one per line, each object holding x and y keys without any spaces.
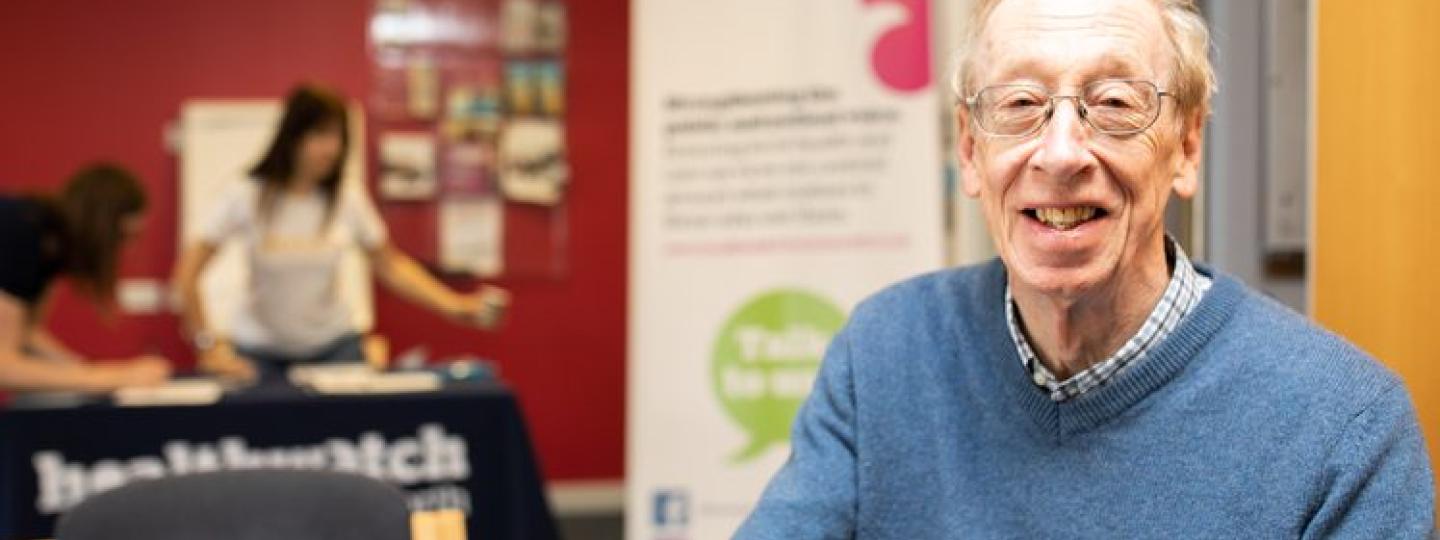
{"x":1390,"y":388}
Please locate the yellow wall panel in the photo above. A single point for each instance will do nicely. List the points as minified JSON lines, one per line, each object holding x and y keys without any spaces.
{"x":1376,"y":269}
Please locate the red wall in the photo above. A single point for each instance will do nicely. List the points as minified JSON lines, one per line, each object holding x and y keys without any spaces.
{"x":83,"y":80}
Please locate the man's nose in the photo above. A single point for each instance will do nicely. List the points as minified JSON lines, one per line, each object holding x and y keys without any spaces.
{"x":1062,"y":153}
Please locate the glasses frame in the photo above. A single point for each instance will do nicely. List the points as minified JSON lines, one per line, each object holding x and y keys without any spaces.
{"x":1080,"y":109}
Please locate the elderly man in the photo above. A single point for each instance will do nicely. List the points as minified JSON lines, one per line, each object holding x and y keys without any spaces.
{"x":1093,"y":382}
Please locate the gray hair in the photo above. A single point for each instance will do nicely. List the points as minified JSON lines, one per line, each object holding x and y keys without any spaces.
{"x":1193,"y":81}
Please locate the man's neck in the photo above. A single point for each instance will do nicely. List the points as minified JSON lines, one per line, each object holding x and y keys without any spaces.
{"x":1072,"y":333}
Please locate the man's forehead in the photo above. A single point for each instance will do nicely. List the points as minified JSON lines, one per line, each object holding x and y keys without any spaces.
{"x":1114,"y":37}
{"x":1063,"y":14}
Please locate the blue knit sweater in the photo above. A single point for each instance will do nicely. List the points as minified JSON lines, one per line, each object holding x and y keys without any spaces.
{"x":1247,"y":422}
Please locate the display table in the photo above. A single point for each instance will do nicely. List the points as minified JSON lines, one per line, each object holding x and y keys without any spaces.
{"x":463,"y":446}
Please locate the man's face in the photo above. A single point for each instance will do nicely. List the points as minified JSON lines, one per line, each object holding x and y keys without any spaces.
{"x":1063,"y":45}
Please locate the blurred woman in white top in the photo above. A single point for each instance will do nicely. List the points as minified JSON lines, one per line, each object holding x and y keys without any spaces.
{"x":296,"y":223}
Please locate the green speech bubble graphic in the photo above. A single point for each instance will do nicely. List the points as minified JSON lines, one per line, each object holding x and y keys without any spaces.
{"x":765,"y":360}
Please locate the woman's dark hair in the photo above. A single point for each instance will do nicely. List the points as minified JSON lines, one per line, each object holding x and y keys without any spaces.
{"x":309,"y":108}
{"x":93,"y":205}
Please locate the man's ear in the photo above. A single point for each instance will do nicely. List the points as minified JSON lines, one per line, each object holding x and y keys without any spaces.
{"x":965,"y":152}
{"x":1192,"y":153}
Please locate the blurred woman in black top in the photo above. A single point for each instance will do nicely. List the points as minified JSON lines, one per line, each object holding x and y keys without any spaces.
{"x":77,"y":234}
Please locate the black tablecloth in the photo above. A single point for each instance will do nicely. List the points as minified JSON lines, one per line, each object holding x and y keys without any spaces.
{"x":464,"y":446}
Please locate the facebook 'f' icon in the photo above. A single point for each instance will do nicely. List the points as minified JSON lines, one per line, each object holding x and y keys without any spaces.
{"x":672,"y":509}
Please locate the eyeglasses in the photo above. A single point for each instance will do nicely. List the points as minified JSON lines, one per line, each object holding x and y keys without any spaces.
{"x":1113,"y":107}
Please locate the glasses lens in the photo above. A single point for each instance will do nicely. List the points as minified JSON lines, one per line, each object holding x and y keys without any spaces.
{"x":1121,"y":106}
{"x":1011,"y":110}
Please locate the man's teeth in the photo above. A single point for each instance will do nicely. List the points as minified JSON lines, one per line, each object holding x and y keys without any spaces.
{"x":1065,"y":218}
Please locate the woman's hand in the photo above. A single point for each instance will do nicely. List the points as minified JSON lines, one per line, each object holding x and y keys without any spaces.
{"x":148,"y":370}
{"x":484,"y":308}
{"x":222,"y":361}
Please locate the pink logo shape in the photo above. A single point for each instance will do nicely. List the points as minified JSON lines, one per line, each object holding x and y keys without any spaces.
{"x":901,"y":57}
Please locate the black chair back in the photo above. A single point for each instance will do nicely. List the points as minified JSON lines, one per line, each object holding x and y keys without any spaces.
{"x":243,"y":505}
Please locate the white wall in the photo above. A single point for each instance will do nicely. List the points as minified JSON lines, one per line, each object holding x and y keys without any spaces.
{"x":1256,"y":143}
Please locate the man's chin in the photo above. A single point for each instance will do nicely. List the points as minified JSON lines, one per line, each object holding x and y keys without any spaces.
{"x":1072,"y":279}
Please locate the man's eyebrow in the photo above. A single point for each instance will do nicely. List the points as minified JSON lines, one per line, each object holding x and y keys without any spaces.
{"x":1111,"y":64}
{"x":1124,"y":64}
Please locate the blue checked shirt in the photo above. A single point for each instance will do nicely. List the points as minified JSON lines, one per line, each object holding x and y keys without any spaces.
{"x":1180,"y":298}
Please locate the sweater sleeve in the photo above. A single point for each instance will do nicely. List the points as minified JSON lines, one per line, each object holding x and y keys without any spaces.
{"x":1377,"y":480}
{"x":813,"y":495}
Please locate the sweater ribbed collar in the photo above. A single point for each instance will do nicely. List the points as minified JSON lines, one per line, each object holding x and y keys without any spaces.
{"x":1163,"y":364}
